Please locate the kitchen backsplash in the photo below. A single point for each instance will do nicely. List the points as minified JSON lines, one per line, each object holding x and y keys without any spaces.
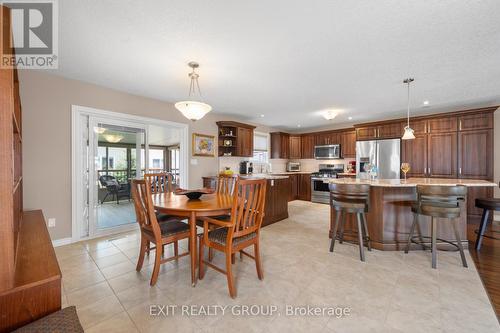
{"x":279,"y":165}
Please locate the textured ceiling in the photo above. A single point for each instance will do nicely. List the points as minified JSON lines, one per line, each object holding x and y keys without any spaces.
{"x":288,"y":60}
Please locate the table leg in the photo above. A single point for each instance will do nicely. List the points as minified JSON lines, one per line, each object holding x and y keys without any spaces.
{"x":192,"y":246}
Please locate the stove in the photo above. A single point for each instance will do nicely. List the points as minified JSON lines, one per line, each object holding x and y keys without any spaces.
{"x":320,"y":191}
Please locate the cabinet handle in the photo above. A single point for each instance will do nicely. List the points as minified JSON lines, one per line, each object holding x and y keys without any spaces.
{"x":429,"y":128}
{"x":460,"y":171}
{"x":429,"y":171}
{"x":425,"y":129}
{"x":375,"y":131}
{"x":460,"y":125}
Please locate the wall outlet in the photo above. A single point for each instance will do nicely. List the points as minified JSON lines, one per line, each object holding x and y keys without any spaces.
{"x":52,"y":222}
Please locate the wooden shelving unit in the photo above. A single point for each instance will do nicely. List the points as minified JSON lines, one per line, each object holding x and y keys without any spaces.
{"x":235,"y":139}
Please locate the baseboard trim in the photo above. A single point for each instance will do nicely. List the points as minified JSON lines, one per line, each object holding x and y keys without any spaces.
{"x":61,"y":242}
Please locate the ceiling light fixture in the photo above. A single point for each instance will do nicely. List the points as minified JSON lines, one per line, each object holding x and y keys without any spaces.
{"x":426,"y":103}
{"x":193,"y":109}
{"x":298,"y":125}
{"x":99,"y":130}
{"x":113,"y":138}
{"x":330,"y":115}
{"x":350,"y":118}
{"x":408,"y":134}
{"x":262,"y":116}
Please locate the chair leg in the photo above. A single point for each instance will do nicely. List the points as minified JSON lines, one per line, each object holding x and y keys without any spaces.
{"x":229,"y":273}
{"x":459,"y":242}
{"x":343,"y":217}
{"x":412,"y":230}
{"x":419,"y":231}
{"x":142,"y":252}
{"x":148,"y":247}
{"x":258,"y":263}
{"x":433,"y":244}
{"x":360,"y":238}
{"x":337,"y":218}
{"x":367,"y":234}
{"x":482,"y":229}
{"x":176,"y":249}
{"x":233,"y":258}
{"x":156,"y":269}
{"x":210,"y":254}
{"x":201,"y":270}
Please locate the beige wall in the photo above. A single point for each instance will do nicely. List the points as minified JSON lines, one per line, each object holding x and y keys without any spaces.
{"x":46,"y":102}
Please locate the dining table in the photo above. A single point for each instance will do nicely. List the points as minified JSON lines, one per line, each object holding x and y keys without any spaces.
{"x":208,"y":205}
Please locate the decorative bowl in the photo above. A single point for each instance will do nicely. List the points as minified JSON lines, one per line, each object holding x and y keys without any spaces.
{"x":194,"y":194}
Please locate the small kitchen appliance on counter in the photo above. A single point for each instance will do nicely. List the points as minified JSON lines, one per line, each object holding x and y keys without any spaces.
{"x":246,"y":167}
{"x":293,"y":167}
{"x":320,"y":191}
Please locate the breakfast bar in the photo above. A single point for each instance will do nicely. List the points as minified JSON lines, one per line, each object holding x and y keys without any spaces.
{"x":390,"y":217}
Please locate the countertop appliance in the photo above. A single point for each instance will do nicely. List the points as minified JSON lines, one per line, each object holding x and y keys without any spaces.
{"x":246,"y":167}
{"x":320,"y":191}
{"x":383,"y":154}
{"x":327,"y":152}
{"x":293,"y":167}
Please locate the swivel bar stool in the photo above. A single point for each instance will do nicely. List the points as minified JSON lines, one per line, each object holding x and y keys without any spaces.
{"x":353,"y":199}
{"x":438,"y":202}
{"x":487,"y":205}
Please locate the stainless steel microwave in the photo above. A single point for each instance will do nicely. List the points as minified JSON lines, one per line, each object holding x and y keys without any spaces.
{"x":327,"y":152}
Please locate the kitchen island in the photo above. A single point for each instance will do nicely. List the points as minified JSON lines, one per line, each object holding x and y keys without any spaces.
{"x":277,"y":192}
{"x":390,"y":217}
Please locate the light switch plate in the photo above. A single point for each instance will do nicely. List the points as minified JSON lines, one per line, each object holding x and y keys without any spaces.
{"x":52,"y":222}
{"x":194,"y":161}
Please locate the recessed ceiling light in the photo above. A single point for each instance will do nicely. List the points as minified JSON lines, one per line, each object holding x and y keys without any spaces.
{"x":426,"y":103}
{"x":298,"y":125}
{"x":262,"y":116}
{"x":350,"y":118}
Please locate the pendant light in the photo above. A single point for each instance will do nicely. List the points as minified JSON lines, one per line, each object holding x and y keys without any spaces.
{"x":193,"y":109}
{"x":408,"y":134}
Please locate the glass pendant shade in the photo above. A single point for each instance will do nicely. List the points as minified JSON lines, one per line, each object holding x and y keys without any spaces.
{"x":408,"y":134}
{"x":193,"y":110}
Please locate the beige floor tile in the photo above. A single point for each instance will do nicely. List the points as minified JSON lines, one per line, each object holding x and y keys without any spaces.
{"x":140,"y":294}
{"x":67,"y":251}
{"x":84,"y":296}
{"x":97,"y":312}
{"x":118,"y":269}
{"x":111,"y":260}
{"x":101,"y":253}
{"x":75,"y":281}
{"x":119,"y":323}
{"x":129,"y":280}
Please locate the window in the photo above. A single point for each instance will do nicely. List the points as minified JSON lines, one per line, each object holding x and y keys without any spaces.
{"x":156,"y":163}
{"x":260,"y":148}
{"x":174,"y":163}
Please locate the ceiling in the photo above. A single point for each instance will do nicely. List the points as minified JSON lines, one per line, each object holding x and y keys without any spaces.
{"x":289,"y":60}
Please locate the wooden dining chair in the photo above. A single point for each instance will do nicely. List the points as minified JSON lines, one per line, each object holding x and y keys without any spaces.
{"x":240,"y":232}
{"x":159,"y":234}
{"x":160,"y":182}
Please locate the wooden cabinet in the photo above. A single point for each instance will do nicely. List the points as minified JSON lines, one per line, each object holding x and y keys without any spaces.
{"x":304,"y":184}
{"x":380,"y":131}
{"x":348,"y":144}
{"x":472,"y":194}
{"x":442,"y":155}
{"x":366,"y":133}
{"x":280,"y":145}
{"x":295,"y":147}
{"x":235,"y":139}
{"x":294,"y":187}
{"x":307,"y":146}
{"x":475,"y":154}
{"x":276,"y":208}
{"x":475,"y":121}
{"x":418,"y":126}
{"x":415,"y":153}
{"x":442,"y":125}
{"x":327,"y":138}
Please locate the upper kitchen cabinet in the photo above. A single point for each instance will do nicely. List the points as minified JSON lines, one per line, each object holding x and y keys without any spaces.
{"x":280,"y":145}
{"x":442,"y":155}
{"x":307,"y":145}
{"x":235,"y":139}
{"x":295,"y":147}
{"x":327,"y":138}
{"x":442,"y":125}
{"x":418,"y":126}
{"x":475,"y":149}
{"x":379,"y":131}
{"x":348,"y":144}
{"x":414,"y":152}
{"x":476,"y":121}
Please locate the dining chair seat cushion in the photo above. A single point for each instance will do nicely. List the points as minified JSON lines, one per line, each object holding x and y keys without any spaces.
{"x":488,"y":203}
{"x":220,"y":236}
{"x":226,"y":218}
{"x":166,"y":218}
{"x":170,"y":228}
{"x":65,"y":320}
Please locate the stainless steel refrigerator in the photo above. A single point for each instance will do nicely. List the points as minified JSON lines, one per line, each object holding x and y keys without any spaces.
{"x":384,"y":154}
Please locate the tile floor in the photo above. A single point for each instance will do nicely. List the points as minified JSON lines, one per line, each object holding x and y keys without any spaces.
{"x":390,"y":292}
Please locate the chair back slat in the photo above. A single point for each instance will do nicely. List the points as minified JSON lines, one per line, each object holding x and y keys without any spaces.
{"x":226,"y":184}
{"x":159,"y":182}
{"x":144,"y":209}
{"x":248,"y":206}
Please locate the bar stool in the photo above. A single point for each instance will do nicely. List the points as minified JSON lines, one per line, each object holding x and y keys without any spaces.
{"x":486,"y":204}
{"x":353,"y":199}
{"x":438,"y":202}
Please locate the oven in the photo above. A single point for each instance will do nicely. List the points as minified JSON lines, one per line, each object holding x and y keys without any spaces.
{"x":320,"y":191}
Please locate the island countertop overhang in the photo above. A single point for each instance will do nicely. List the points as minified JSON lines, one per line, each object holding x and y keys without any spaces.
{"x":413,"y":182}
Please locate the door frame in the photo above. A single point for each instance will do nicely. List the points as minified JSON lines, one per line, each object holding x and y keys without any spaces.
{"x":76,"y":160}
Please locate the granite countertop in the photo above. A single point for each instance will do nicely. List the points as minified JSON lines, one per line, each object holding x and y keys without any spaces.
{"x":346,"y":174}
{"x":263,"y":175}
{"x":292,"y":173}
{"x":413,"y":182}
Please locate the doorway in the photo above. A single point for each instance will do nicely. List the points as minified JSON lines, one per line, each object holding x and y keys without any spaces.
{"x":109,"y":151}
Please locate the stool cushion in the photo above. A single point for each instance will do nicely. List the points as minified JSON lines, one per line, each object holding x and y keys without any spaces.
{"x":65,"y":320}
{"x":487,"y":203}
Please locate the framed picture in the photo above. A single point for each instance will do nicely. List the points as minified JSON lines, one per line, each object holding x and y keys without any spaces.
{"x":203,"y":145}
